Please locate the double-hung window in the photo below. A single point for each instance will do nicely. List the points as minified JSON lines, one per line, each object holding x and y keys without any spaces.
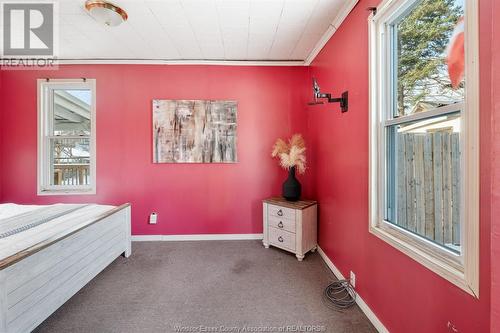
{"x":424,"y":134}
{"x":66,"y":137}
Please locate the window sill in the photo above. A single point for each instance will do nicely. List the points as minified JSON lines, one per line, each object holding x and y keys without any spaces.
{"x":66,"y":192}
{"x":432,"y":262}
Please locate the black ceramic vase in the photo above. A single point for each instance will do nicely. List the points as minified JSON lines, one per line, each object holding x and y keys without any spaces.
{"x":291,"y":186}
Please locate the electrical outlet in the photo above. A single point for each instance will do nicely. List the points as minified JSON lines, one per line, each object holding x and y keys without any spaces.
{"x":352,"y":279}
{"x":153,"y":218}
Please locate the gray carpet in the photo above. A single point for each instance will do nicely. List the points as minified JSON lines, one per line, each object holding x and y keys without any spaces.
{"x":212,"y":285}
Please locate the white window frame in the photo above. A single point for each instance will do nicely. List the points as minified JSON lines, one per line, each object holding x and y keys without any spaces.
{"x":45,"y":112}
{"x":460,"y":269}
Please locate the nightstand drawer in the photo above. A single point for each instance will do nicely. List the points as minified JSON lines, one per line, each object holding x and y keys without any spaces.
{"x":281,"y":212}
{"x":281,"y":223}
{"x":282,"y":238}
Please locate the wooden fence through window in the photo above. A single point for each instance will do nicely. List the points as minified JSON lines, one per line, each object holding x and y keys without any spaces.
{"x":428,"y":185}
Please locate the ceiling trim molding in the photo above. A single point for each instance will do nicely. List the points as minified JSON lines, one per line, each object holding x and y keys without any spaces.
{"x":341,"y":16}
{"x":180,"y":62}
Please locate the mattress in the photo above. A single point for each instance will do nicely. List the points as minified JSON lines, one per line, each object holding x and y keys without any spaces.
{"x":32,"y":217}
{"x":11,"y":209}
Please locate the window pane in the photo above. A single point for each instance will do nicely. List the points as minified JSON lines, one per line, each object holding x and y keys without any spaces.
{"x":429,"y":56}
{"x":423,"y":178}
{"x":72,"y":112}
{"x":70,"y":161}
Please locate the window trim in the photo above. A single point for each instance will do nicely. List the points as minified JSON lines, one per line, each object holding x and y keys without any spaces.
{"x":44,"y":114}
{"x":461,"y":270}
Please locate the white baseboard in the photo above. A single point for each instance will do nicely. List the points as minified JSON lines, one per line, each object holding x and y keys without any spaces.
{"x":173,"y":238}
{"x":362,"y":305}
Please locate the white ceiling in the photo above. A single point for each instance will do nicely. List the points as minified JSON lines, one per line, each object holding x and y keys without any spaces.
{"x":260,"y":30}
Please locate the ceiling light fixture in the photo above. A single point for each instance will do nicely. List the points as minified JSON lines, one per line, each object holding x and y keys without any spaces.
{"x":105,"y":12}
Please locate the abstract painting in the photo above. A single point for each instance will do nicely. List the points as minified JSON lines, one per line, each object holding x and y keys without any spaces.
{"x":194,"y":131}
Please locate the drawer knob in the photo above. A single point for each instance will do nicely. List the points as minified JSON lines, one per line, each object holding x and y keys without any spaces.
{"x":280,"y":239}
{"x":280,"y":212}
{"x":280,"y":225}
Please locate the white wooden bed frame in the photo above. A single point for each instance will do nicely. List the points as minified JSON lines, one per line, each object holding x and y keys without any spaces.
{"x":37,"y":281}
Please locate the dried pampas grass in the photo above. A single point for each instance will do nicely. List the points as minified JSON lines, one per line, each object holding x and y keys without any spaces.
{"x":297,"y":141}
{"x":279,"y":148}
{"x":291,"y":154}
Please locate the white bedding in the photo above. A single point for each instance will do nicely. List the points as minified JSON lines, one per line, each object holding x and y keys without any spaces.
{"x":33,"y":218}
{"x":11,"y":209}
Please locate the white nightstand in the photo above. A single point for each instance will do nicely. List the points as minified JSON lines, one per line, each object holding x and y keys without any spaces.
{"x":291,"y":225}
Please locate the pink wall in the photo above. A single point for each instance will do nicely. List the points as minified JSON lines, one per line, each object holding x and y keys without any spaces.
{"x":404,"y":294}
{"x":495,"y":171}
{"x":190,"y":198}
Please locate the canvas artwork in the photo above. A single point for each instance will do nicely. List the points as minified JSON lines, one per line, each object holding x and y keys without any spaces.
{"x":194,"y":131}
